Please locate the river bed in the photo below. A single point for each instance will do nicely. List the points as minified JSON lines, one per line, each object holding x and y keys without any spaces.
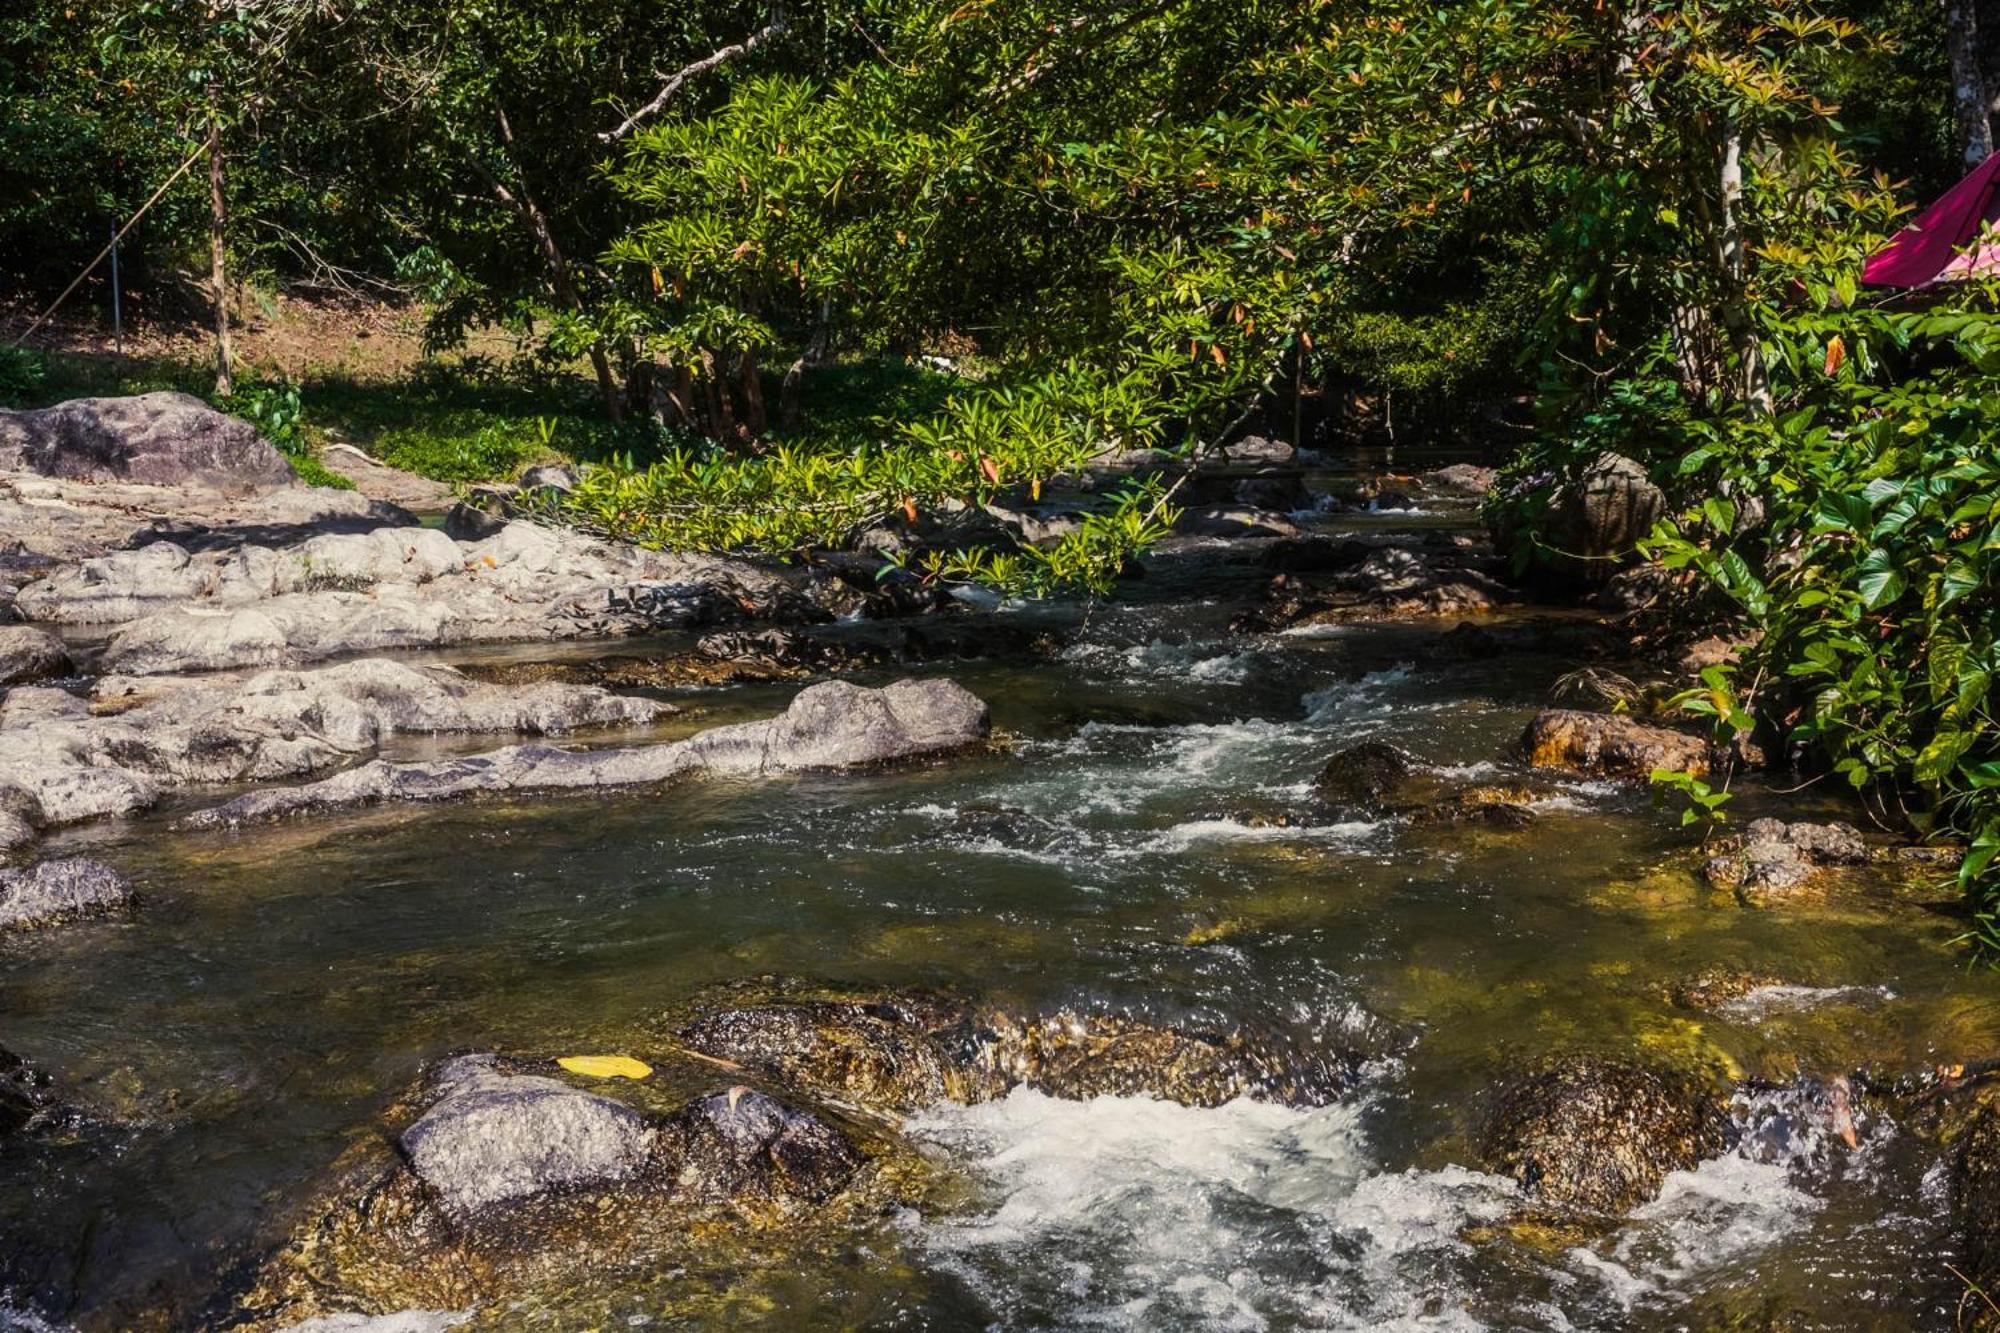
{"x":1146,"y":841}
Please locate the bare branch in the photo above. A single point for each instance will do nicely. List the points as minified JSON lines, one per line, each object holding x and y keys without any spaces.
{"x":771,"y":31}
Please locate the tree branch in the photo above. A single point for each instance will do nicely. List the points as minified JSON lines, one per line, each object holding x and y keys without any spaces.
{"x":771,"y":31}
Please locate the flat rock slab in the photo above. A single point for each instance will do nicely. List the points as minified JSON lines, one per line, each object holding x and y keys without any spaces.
{"x":403,"y":1321}
{"x":57,"y":767}
{"x":379,"y":481}
{"x":833,"y":725}
{"x":57,"y":891}
{"x":185,"y":608}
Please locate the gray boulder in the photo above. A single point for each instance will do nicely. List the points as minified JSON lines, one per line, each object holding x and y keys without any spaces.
{"x":495,"y":1137}
{"x":28,"y":654}
{"x":403,"y":1321}
{"x":1771,"y":860}
{"x":57,"y":891}
{"x":158,"y":439}
{"x":833,"y":725}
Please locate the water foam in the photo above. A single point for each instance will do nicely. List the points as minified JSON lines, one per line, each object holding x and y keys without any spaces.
{"x":1129,"y":1212}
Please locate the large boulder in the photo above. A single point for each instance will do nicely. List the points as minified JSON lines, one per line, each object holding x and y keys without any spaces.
{"x":29,"y":654}
{"x":510,"y":1182}
{"x":57,"y":891}
{"x":494,"y":1137}
{"x":1598,"y":1135}
{"x":1591,"y":522}
{"x":1611,"y":745}
{"x":158,"y":439}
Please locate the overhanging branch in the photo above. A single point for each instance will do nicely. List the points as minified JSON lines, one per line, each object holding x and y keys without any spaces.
{"x":768,"y":33}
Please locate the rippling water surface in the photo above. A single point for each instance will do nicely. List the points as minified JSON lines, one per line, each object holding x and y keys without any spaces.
{"x":1148,"y":843}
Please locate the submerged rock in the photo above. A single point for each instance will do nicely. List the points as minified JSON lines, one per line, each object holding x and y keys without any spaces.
{"x":57,"y":891}
{"x":1236,"y":522}
{"x":833,"y":725}
{"x":903,"y":1053}
{"x":1610,"y":745}
{"x":1771,"y":860}
{"x":1491,"y":807}
{"x":1599,"y":1136}
{"x":23,"y":1093}
{"x":29,"y":654}
{"x":159,"y":439}
{"x":1364,"y":775}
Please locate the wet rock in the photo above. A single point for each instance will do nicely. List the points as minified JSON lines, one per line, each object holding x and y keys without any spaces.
{"x":1971,"y":1131}
{"x":494,"y":1137}
{"x":1384,"y":583}
{"x":1468,"y":642}
{"x":29,"y":654}
{"x":905,"y":1052}
{"x":1489,"y":807}
{"x":1462,"y":479}
{"x":508,"y":1183}
{"x":1770,"y":859}
{"x":1714,"y":987}
{"x":1236,"y":522}
{"x":159,"y":439}
{"x":898,"y":1053}
{"x":829,"y":726}
{"x":23,"y":1093}
{"x":1364,"y":775}
{"x":1610,"y":745}
{"x":1599,"y":1136}
{"x":277,"y":724}
{"x":58,"y":891}
{"x":746,"y":1148}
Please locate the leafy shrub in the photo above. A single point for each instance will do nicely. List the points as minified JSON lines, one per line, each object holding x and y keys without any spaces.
{"x":277,"y":410}
{"x":23,"y":374}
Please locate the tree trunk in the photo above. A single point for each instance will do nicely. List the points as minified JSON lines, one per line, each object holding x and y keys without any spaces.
{"x":753,"y":395}
{"x":721,"y":413}
{"x":560,"y":278}
{"x":1968,"y":81}
{"x":815,"y":352}
{"x":1734,"y":271}
{"x":218,"y":272}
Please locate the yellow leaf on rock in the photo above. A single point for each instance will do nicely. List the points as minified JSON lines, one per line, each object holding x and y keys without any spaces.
{"x":606,"y":1066}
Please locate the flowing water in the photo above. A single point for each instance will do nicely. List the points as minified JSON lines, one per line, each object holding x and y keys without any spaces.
{"x":1128,"y":851}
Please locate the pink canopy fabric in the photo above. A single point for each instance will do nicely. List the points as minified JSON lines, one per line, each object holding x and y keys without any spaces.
{"x":1953,"y":239}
